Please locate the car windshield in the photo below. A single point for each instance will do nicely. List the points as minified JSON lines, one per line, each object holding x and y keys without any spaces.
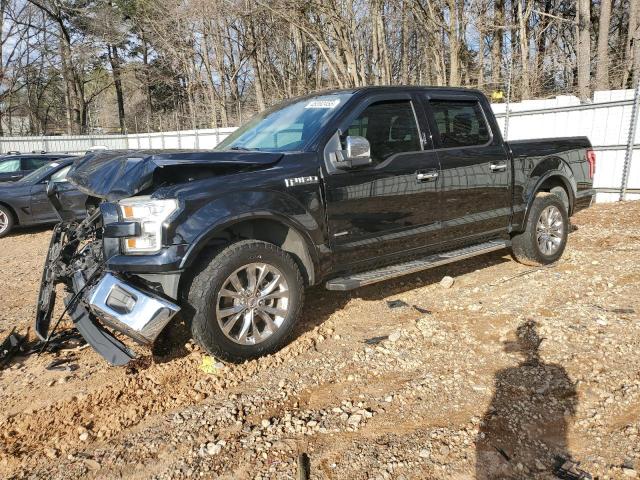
{"x":286,"y":127}
{"x":39,"y":173}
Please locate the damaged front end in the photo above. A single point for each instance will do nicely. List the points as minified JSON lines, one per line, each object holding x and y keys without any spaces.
{"x":96,"y":297}
{"x":118,"y":268}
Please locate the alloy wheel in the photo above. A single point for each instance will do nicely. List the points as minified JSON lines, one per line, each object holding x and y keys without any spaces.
{"x":550,"y":230}
{"x":4,"y":222}
{"x":253,"y":303}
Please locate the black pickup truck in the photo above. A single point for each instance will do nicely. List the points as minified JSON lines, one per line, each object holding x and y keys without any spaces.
{"x":345,"y":188}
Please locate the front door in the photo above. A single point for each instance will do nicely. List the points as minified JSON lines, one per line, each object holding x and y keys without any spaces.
{"x":10,"y":170}
{"x":70,"y":197}
{"x":476,"y":170}
{"x":388,"y":208}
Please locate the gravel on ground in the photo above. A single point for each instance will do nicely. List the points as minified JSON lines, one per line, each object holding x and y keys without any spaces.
{"x":491,"y":373}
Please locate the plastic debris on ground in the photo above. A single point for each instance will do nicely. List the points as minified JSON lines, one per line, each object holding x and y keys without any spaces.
{"x":568,"y":470}
{"x":12,"y":345}
{"x":396,"y":304}
{"x":210,"y":365}
{"x":376,"y":340}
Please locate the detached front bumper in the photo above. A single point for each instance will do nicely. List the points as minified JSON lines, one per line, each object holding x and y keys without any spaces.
{"x":138,"y":314}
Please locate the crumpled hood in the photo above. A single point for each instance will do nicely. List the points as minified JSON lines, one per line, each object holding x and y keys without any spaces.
{"x":116,"y":174}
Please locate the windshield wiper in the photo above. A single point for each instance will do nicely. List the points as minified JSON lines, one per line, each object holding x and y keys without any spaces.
{"x":245,"y":149}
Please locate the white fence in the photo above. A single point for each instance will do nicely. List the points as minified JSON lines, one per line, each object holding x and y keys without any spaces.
{"x":606,"y":122}
{"x":198,"y":139}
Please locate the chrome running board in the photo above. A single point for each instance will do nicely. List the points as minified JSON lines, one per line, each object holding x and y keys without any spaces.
{"x":385,"y":273}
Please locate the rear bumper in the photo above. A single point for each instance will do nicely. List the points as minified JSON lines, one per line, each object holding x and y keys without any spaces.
{"x":139,"y":314}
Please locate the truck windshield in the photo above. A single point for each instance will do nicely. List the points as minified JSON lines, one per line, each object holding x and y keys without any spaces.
{"x":287,"y":127}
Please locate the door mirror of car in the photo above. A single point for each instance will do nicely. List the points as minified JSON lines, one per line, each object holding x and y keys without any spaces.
{"x":50,"y":187}
{"x":356,"y":153}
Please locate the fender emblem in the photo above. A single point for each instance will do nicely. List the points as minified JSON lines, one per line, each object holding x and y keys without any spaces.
{"x":292,"y":182}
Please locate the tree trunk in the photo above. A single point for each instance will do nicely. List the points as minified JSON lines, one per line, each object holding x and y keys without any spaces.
{"x":602,"y":59}
{"x":633,"y":45}
{"x":496,"y":47}
{"x":404,"y":54}
{"x":480,"y":58}
{"x":584,"y":49}
{"x":68,"y":88}
{"x":454,"y":45}
{"x":147,"y":75}
{"x":256,"y":65}
{"x":523,"y":19}
{"x":114,"y":60}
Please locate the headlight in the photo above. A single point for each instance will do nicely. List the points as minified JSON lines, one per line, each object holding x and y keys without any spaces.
{"x":150,"y":214}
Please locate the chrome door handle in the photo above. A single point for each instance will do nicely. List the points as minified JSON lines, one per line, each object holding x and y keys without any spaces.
{"x":426,"y":176}
{"x":498,"y":167}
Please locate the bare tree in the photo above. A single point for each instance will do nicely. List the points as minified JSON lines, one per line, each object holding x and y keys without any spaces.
{"x":119,"y":65}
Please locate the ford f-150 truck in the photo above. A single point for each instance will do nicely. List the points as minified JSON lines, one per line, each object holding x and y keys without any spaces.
{"x":344,"y":188}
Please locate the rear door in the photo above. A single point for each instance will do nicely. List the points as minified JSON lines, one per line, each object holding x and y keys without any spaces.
{"x":390,"y":207}
{"x":476,"y":170}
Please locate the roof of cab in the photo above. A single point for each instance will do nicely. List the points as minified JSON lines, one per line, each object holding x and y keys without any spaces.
{"x":397,"y":88}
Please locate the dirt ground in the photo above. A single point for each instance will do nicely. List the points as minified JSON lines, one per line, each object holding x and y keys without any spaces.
{"x":493,"y":377}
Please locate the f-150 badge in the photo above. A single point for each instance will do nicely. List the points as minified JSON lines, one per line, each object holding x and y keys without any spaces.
{"x":292,"y":182}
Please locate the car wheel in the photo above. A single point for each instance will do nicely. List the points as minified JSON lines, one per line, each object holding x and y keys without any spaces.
{"x":545,"y":236}
{"x":562,"y":193}
{"x":6,"y":221}
{"x":245,"y":301}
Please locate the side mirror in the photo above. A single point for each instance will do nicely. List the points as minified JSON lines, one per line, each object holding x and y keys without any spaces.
{"x":50,"y":187}
{"x":357,"y":152}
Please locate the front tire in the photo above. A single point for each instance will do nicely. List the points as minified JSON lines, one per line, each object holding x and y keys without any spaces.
{"x":245,"y":301}
{"x":6,"y":221}
{"x":545,"y":235}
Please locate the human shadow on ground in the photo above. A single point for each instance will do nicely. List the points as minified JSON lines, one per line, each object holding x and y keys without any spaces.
{"x":524,"y":430}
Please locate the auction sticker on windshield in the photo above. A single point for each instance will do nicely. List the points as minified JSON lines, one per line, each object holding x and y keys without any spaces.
{"x":323,"y":103}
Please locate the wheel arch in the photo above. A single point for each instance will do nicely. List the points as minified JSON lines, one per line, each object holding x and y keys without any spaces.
{"x":270,"y":228}
{"x":545,"y":183}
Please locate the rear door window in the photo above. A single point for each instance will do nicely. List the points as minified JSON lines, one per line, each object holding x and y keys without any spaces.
{"x":32,"y":163}
{"x":460,"y":123}
{"x":389,"y":126}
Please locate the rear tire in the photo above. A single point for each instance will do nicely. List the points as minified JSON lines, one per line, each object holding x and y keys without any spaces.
{"x":545,"y":235}
{"x":245,"y":301}
{"x":562,"y":193}
{"x":6,"y":221}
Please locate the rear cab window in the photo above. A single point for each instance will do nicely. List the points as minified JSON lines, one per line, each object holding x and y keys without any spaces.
{"x":459,"y":123}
